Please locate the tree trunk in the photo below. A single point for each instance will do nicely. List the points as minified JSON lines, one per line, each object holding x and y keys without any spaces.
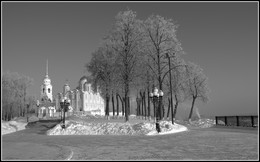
{"x":192,"y":106}
{"x":24,"y":104}
{"x":169,"y":106}
{"x":117,"y":105}
{"x":137,"y":111}
{"x":139,"y":107}
{"x":148,"y":99}
{"x":175,"y":109}
{"x":142,"y":113}
{"x":144,"y":105}
{"x":107,"y":105}
{"x":122,"y":103}
{"x":172,"y":110}
{"x":129,"y":106}
{"x":126,"y":109}
{"x":113,"y":104}
{"x":154,"y":109}
{"x":176,"y":106}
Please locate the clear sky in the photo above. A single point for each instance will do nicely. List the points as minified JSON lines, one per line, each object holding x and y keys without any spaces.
{"x":220,"y":37}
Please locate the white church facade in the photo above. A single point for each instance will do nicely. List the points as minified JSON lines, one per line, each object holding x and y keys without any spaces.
{"x":47,"y":107}
{"x":83,"y":98}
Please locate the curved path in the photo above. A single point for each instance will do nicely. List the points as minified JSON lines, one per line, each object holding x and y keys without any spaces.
{"x":196,"y":144}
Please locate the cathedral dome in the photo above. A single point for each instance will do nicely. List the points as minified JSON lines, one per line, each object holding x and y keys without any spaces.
{"x":82,"y":81}
{"x":66,"y":88}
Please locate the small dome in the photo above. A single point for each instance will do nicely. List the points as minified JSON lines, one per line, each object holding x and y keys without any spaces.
{"x":66,"y":88}
{"x":46,"y":80}
{"x":83,"y":79}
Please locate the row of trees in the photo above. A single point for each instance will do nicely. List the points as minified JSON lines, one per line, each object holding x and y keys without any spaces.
{"x":15,"y":100}
{"x":136,"y":56}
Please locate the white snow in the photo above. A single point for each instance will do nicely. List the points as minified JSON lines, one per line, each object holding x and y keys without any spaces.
{"x":200,"y":123}
{"x":16,"y":124}
{"x":174,"y":129}
{"x":97,"y":125}
{"x":73,"y":127}
{"x":12,"y":126}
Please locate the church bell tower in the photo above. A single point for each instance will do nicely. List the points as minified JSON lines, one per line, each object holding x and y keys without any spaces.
{"x":46,"y":87}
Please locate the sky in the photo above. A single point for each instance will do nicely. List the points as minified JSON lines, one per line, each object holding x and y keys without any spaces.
{"x":221,"y":37}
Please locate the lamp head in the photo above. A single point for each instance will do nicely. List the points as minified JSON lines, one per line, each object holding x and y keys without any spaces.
{"x":155,"y":93}
{"x":161,"y":93}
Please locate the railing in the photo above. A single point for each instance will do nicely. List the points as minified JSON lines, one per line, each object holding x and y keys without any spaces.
{"x":244,"y":121}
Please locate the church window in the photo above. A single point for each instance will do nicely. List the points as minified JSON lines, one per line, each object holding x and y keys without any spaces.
{"x":43,"y":90}
{"x":49,"y":90}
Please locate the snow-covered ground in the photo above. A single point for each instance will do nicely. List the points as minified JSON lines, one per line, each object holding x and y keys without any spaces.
{"x":98,"y":125}
{"x":16,"y":124}
{"x":199,"y":123}
{"x":12,"y":126}
{"x":114,"y":128}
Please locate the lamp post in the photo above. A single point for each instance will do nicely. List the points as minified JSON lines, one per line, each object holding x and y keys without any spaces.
{"x":169,"y":61}
{"x":27,"y":112}
{"x":37,"y":104}
{"x":161,"y":105}
{"x":155,"y":98}
{"x":64,"y":105}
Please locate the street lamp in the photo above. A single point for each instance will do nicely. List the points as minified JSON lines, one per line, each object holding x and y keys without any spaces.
{"x":155,"y":98}
{"x":27,"y":112}
{"x":64,"y":105}
{"x":37,"y":104}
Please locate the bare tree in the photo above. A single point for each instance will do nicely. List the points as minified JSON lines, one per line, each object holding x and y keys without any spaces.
{"x":160,"y":38}
{"x":125,"y":39}
{"x":177,"y":81}
{"x":101,"y":68}
{"x":196,"y":85}
{"x":14,"y":94}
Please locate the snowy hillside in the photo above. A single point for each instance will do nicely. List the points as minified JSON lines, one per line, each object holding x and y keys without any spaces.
{"x":17,"y":124}
{"x":12,"y":126}
{"x":114,"y":128}
{"x":200,"y":123}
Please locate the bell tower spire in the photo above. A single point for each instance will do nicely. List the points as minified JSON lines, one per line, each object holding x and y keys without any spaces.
{"x":46,"y":87}
{"x":47,"y":68}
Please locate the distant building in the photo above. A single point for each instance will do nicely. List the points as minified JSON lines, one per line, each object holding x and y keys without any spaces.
{"x":83,"y":98}
{"x":47,"y":106}
{"x":46,"y":87}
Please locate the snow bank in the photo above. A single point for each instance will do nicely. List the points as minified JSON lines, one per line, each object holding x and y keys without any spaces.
{"x":109,"y":128}
{"x":200,"y":123}
{"x":12,"y":126}
{"x":168,"y":128}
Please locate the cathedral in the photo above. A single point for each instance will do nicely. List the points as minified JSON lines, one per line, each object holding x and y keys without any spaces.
{"x":83,"y":98}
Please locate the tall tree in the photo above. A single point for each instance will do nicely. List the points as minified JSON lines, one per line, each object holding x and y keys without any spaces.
{"x":160,"y":38}
{"x":101,"y":68}
{"x":125,"y":39}
{"x":196,"y":85}
{"x":177,"y":82}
